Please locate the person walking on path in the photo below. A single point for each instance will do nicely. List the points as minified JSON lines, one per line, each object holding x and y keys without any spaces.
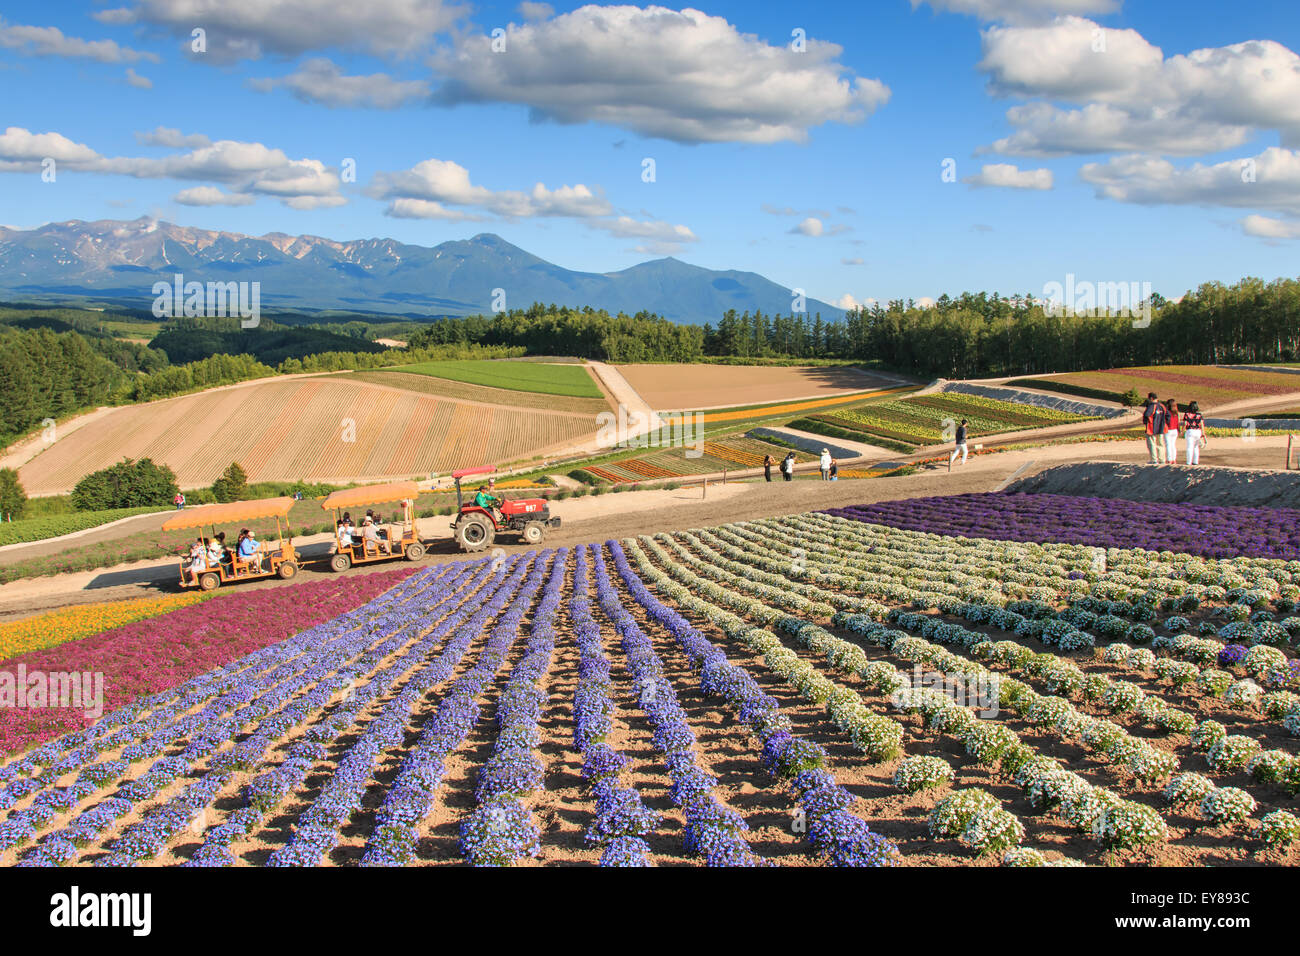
{"x":835,"y":470}
{"x":179,"y":501}
{"x":767,"y":467}
{"x":1194,"y":432}
{"x":1155,"y":445}
{"x":1171,"y":432}
{"x":826,"y":465}
{"x":787,"y":467}
{"x":960,"y":446}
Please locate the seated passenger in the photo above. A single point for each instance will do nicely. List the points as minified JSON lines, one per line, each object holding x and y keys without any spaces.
{"x":197,"y":559}
{"x":250,"y":549}
{"x":344,"y":534}
{"x":217,"y":551}
{"x":370,"y":532}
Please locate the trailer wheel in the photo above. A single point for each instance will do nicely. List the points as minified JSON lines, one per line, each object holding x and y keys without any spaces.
{"x":414,"y":552}
{"x":533,"y":532}
{"x":210,"y":581}
{"x":340,"y":562}
{"x":474,"y":533}
{"x":288,"y":570}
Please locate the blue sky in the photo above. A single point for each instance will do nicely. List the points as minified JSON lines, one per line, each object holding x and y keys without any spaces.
{"x":1128,"y":127}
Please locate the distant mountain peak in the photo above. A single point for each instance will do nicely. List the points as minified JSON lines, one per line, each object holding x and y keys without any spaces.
{"x":121,"y":259}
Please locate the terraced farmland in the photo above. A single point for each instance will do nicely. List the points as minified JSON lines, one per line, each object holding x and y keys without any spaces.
{"x":930,"y":419}
{"x":317,"y":429}
{"x":1210,"y":385}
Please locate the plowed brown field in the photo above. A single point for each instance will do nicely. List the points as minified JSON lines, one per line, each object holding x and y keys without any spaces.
{"x":314,"y":429}
{"x":673,"y":387}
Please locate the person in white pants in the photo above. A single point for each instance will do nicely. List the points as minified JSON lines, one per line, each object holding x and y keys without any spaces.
{"x":1194,"y":432}
{"x":961,"y":447}
{"x":1171,"y":433}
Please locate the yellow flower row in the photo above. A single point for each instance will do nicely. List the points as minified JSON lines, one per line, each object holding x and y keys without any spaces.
{"x":83,"y":620}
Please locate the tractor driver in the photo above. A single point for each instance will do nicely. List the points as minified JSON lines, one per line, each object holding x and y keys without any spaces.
{"x":485,"y":499}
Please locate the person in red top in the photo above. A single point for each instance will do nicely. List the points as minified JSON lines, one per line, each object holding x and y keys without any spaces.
{"x":1171,"y":433}
{"x":1194,"y":431}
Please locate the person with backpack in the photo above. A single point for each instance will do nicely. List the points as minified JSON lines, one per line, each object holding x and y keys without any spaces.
{"x":787,"y":467}
{"x":960,"y":446}
{"x":1155,"y":444}
{"x":1194,"y":432}
{"x":1171,"y":432}
{"x":825,"y":464}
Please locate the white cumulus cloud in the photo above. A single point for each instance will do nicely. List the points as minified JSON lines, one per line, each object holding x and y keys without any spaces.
{"x":678,"y":75}
{"x":1009,"y":176}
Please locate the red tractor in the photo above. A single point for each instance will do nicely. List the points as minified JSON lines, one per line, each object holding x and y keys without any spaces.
{"x":475,"y":528}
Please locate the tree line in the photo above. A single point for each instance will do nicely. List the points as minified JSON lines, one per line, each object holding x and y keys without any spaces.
{"x":970,"y":336}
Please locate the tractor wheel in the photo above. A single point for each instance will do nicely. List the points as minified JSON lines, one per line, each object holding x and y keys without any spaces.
{"x":288,"y":570}
{"x":414,"y":552}
{"x":340,"y":562}
{"x":533,"y":532}
{"x":210,"y":581}
{"x":474,"y":533}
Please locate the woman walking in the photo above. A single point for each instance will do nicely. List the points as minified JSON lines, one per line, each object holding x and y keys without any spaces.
{"x":826,"y":464}
{"x":767,"y":467}
{"x":1194,"y":432}
{"x":1171,"y":432}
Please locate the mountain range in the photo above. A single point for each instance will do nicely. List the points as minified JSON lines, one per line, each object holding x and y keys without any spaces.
{"x":119,"y":261}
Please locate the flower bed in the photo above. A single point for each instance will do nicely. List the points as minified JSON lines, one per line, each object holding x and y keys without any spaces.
{"x":1203,"y":530}
{"x":151,"y":655}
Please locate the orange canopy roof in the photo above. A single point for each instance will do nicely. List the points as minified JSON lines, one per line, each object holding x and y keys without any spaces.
{"x":228,"y":513}
{"x":371,"y":494}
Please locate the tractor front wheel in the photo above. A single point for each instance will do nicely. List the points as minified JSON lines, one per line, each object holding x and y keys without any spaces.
{"x":340,"y":562}
{"x":474,"y":533}
{"x":533,"y":532}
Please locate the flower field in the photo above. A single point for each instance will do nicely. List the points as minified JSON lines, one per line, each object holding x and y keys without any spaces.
{"x":83,"y":620}
{"x":1209,"y":385}
{"x":1201,"y":530}
{"x":729,"y":455}
{"x":157,"y":653}
{"x":921,"y":420}
{"x":812,"y":689}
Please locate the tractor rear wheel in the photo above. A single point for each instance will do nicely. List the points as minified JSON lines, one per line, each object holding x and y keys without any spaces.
{"x":210,"y":581}
{"x":414,"y":552}
{"x":340,"y":562}
{"x":288,"y":570}
{"x":474,"y":533}
{"x":533,"y":532}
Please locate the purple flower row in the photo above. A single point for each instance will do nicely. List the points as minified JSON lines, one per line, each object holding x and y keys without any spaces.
{"x":500,"y":829}
{"x":622,"y":820}
{"x":713,"y":831}
{"x":840,"y":837}
{"x":1209,"y":531}
{"x":410,"y":796}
